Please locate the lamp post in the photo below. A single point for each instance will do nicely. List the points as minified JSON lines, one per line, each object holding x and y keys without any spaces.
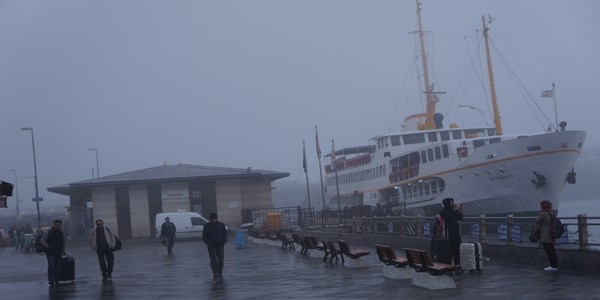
{"x":37,"y":198}
{"x":17,"y":195}
{"x":97,"y":165}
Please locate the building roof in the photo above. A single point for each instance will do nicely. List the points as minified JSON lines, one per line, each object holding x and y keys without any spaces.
{"x":169,"y":173}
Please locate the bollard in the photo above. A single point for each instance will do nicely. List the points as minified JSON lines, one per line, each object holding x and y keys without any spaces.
{"x":583,"y":231}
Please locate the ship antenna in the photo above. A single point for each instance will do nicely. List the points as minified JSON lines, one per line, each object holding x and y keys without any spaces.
{"x":497,"y":122}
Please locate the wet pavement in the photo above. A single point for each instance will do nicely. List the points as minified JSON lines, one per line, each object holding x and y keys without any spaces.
{"x":143,"y":270}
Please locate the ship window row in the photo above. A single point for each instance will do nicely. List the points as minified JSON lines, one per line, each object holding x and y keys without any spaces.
{"x":434,"y":153}
{"x":419,"y":138}
{"x":359,"y":176}
{"x":423,"y":189}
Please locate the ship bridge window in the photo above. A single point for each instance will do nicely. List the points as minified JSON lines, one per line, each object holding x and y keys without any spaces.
{"x":438,"y":153}
{"x":395,"y":140}
{"x":473,"y":133}
{"x":415,"y":138}
{"x":491,"y":132}
{"x":479,"y":143}
{"x":445,"y":151}
{"x":445,"y":135}
{"x":423,"y":157}
{"x":432,"y":136}
{"x":495,"y":140}
{"x":457,"y":134}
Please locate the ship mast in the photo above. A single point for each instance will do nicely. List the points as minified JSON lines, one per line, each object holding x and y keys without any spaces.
{"x":429,"y":93}
{"x":497,"y":121}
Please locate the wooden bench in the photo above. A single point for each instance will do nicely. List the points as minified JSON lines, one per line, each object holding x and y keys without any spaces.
{"x":286,"y":241}
{"x":334,"y":252}
{"x":298,"y":240}
{"x":393,"y":259}
{"x":422,"y":261}
{"x":353,"y":254}
{"x":381,"y":253}
{"x":331,"y":251}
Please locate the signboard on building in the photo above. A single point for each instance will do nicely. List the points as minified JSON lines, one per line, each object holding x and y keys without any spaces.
{"x":173,"y":192}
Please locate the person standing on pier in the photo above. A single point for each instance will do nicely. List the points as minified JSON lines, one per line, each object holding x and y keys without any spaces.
{"x":451,"y":215}
{"x":167,"y":231}
{"x":543,"y":222}
{"x":214,"y":236}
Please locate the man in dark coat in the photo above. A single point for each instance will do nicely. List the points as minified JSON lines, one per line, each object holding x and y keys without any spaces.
{"x":168,"y":230}
{"x":53,"y":241}
{"x":452,"y":215}
{"x":214,"y":236}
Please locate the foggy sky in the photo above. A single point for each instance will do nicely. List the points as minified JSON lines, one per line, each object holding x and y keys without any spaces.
{"x":243,"y":83}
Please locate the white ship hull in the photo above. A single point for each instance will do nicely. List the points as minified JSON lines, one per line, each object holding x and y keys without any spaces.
{"x":492,"y":179}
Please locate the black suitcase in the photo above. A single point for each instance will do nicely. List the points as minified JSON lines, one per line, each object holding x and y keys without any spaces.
{"x":441,"y":251}
{"x":67,"y":269}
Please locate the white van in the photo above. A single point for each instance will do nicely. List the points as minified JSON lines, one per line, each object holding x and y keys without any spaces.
{"x":188,"y":224}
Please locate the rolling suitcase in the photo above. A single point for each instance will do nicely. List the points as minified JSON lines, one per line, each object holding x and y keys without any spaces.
{"x":67,"y":268}
{"x":471,"y":258}
{"x":441,"y":251}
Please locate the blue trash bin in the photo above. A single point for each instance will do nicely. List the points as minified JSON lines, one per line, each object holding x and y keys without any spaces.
{"x":241,"y":237}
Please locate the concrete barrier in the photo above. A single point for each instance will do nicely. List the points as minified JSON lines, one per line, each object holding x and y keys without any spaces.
{"x":430,"y":282}
{"x":392,"y":272}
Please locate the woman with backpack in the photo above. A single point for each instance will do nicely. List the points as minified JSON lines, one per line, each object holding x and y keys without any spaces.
{"x":543,"y":222}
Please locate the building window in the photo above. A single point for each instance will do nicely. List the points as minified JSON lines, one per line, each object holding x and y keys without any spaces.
{"x":395,"y":140}
{"x":445,"y":151}
{"x":423,"y":157}
{"x":430,"y":154}
{"x":414,"y":138}
{"x":438,"y":153}
{"x":445,"y":135}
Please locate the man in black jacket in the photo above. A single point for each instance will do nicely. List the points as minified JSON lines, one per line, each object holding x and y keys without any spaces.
{"x":452,"y":215}
{"x":53,"y":241}
{"x":168,"y":230}
{"x":214,"y":236}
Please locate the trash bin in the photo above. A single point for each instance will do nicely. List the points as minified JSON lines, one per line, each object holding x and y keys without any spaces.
{"x":241,"y":237}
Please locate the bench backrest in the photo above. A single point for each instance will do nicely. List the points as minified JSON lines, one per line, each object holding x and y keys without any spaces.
{"x":332,"y":246}
{"x":413,"y":257}
{"x":344,"y":247}
{"x":307,"y":242}
{"x":426,"y":258}
{"x":389,"y":251}
{"x":296,"y":238}
{"x":382,"y":253}
{"x":326,"y":245}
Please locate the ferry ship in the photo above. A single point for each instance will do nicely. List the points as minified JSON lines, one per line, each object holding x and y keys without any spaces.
{"x":489,"y":172}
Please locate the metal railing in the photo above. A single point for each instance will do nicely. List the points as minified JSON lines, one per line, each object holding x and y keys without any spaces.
{"x":507,"y":230}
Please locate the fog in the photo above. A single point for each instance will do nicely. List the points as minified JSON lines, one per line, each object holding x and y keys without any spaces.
{"x":243,"y":83}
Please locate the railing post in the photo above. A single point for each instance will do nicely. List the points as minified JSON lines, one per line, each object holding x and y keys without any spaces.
{"x":300,"y":221}
{"x":582,"y":228}
{"x":509,"y":223}
{"x":482,"y":229}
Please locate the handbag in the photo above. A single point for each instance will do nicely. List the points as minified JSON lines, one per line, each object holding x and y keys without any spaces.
{"x":535,"y":235}
{"x":118,"y":244}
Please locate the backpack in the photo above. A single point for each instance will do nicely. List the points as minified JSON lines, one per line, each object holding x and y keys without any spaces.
{"x":439,"y":227}
{"x":557,"y":229}
{"x":39,"y":248}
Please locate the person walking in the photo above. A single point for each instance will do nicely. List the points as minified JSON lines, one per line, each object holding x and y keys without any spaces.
{"x":451,"y":215}
{"x":214,"y":236}
{"x":167,"y":231}
{"x":543,"y":222}
{"x":103,"y":241}
{"x":53,"y":241}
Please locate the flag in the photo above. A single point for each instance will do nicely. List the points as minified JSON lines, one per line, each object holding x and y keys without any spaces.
{"x":548,"y":94}
{"x":318,"y":147}
{"x":333,"y":154}
{"x":304,"y":156}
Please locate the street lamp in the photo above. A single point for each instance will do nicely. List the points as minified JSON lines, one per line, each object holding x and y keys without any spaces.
{"x":97,"y":166}
{"x":37,"y":198}
{"x":17,"y":195}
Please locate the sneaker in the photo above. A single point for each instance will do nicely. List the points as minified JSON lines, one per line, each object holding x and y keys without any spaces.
{"x":550,"y":269}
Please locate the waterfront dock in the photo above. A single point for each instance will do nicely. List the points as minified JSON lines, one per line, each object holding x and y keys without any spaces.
{"x":143,"y":270}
